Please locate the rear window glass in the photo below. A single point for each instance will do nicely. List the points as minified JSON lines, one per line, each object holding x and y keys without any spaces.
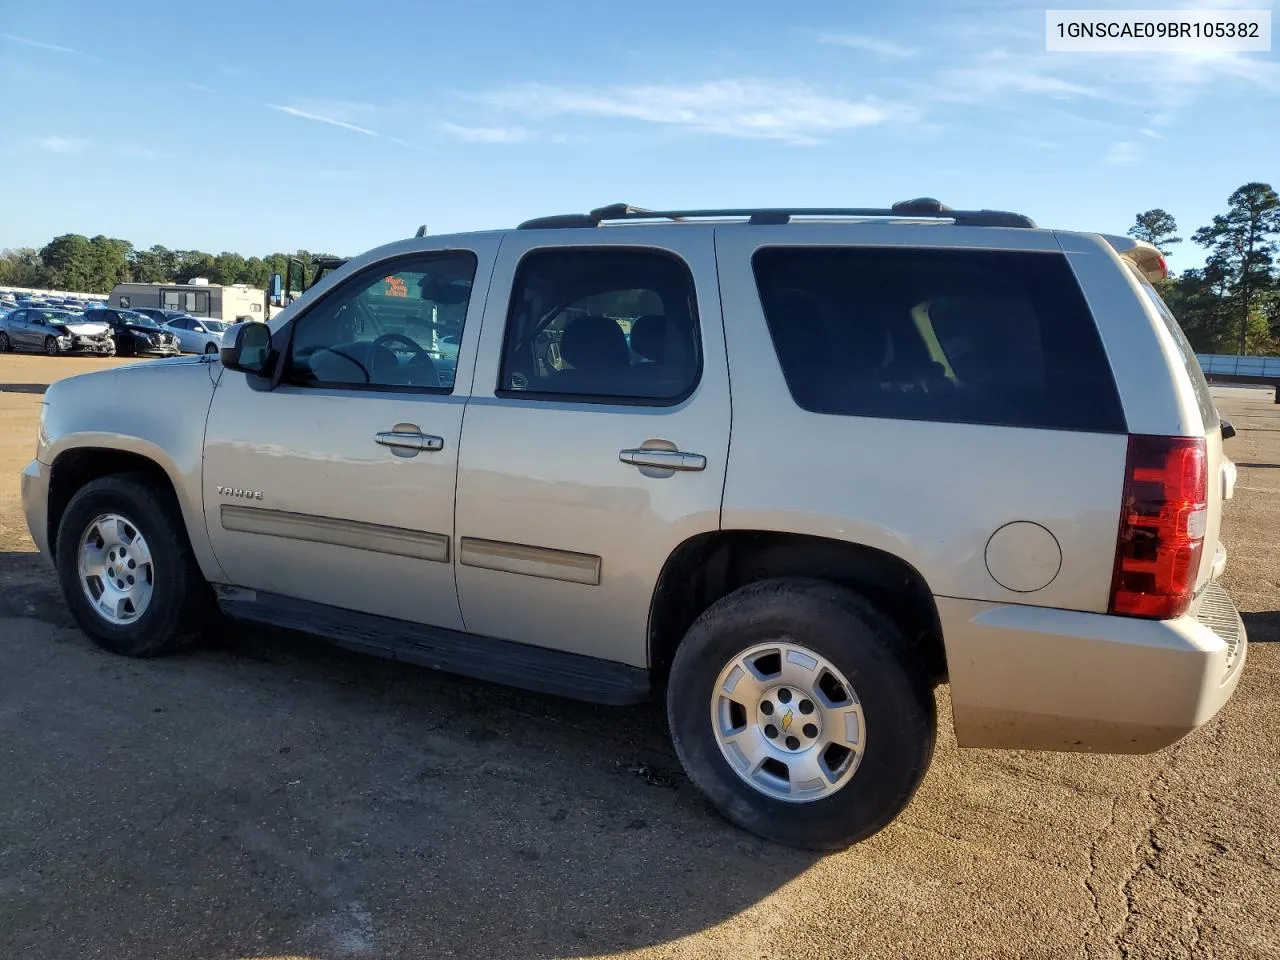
{"x":1204,"y":398}
{"x":959,"y":336}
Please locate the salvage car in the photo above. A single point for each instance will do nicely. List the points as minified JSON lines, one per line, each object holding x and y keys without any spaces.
{"x":135,"y":334}
{"x":42,"y":330}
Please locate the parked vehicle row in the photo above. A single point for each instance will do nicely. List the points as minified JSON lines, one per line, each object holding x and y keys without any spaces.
{"x":106,"y":331}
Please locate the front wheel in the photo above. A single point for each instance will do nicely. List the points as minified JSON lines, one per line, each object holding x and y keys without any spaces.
{"x":5,"y":344}
{"x":51,"y":346}
{"x":796,"y":708}
{"x":127,"y":570}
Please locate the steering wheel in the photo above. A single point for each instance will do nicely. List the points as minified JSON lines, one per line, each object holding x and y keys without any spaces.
{"x":400,"y":338}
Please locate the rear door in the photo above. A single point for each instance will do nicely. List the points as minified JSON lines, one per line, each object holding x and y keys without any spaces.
{"x":16,"y":327}
{"x":596,"y":438}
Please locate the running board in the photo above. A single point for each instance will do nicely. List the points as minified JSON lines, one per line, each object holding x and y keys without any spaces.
{"x":484,"y":658}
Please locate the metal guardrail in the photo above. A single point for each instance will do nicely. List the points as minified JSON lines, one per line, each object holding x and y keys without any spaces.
{"x":1264,"y":368}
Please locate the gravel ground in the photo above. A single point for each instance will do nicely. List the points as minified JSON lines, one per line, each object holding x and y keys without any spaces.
{"x":273,"y":797}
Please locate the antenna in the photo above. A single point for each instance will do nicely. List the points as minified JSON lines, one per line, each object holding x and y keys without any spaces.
{"x":422,"y":231}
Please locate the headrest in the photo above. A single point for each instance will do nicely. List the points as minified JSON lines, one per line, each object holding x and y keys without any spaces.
{"x":594,"y":342}
{"x":649,"y":337}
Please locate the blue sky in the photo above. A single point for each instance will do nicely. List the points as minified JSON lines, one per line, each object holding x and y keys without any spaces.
{"x":335,"y":126}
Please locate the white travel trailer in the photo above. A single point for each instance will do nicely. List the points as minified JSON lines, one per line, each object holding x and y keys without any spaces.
{"x":198,"y":298}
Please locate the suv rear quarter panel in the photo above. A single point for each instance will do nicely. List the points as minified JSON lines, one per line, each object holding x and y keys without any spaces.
{"x":930,"y":493}
{"x":1150,"y":370}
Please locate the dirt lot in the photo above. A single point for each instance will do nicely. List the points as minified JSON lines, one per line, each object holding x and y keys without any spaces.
{"x":275,"y":797}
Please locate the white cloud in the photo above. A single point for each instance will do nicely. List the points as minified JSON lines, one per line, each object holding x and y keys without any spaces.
{"x":57,"y":144}
{"x":785,"y":110}
{"x":486,"y":134}
{"x":1124,"y":153}
{"x":321,"y":118}
{"x":885,"y":49}
{"x":41,"y":45}
{"x":995,"y":58}
{"x":998,"y":74}
{"x":406,"y":143}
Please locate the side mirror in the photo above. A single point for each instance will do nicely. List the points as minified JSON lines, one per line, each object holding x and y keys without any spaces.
{"x":247,"y":348}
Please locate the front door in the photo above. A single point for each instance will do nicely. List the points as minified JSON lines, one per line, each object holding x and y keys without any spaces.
{"x":337,"y":486}
{"x":35,"y":330}
{"x":595,"y":440}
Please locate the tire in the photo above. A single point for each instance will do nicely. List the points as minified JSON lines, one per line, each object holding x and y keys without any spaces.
{"x":5,"y":344}
{"x":180,"y":601}
{"x":891,"y":698}
{"x":210,"y":348}
{"x":51,"y":347}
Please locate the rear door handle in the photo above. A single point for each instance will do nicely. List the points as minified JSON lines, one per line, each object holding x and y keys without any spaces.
{"x":663,"y":459}
{"x":404,"y":440}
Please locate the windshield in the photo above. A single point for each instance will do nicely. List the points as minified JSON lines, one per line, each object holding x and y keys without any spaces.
{"x":137,"y":319}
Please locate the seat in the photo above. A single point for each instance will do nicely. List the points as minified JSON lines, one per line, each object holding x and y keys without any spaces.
{"x":649,"y":337}
{"x":596,"y":350}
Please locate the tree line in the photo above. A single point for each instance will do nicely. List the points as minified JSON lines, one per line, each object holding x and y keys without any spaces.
{"x":1230,"y":305}
{"x":82,"y":264}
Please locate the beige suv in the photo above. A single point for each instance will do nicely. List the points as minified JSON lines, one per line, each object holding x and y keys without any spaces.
{"x":794,"y":468}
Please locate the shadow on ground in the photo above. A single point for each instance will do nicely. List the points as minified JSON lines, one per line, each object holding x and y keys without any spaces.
{"x":1262,"y":627}
{"x":37,"y":388}
{"x":271,"y":794}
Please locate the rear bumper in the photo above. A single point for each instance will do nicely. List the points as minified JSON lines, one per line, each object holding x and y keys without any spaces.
{"x":35,"y":504}
{"x":1034,"y":678}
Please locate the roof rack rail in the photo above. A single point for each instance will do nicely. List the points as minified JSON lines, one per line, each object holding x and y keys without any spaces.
{"x":925,"y":208}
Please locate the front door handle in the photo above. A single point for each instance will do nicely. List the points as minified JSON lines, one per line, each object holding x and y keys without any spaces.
{"x":406,"y":440}
{"x":663,"y":459}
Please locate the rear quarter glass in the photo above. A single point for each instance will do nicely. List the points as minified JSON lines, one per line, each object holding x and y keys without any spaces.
{"x":1204,"y":397}
{"x":1002,"y":338}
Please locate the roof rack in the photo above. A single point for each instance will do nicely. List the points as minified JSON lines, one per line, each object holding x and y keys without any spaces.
{"x":925,"y":208}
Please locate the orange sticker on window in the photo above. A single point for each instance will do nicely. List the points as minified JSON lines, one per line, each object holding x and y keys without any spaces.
{"x":396,"y":287}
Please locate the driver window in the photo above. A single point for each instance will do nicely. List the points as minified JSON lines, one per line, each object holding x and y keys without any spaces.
{"x":394,"y":326}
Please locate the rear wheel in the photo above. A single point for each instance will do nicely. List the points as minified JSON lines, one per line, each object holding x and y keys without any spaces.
{"x":5,"y":344}
{"x":127,"y":570}
{"x":210,"y":348}
{"x":796,"y":708}
{"x":51,"y":346}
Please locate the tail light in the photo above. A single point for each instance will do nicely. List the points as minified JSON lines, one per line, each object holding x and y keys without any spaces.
{"x":1162,"y":525}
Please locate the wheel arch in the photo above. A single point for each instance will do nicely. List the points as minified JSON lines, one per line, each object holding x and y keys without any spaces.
{"x":708,"y":566}
{"x":75,"y":465}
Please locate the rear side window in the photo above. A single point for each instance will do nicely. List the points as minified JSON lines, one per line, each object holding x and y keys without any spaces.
{"x":602,"y":326}
{"x":958,"y":336}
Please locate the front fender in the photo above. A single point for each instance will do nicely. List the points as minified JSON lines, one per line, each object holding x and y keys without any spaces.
{"x":156,"y":410}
